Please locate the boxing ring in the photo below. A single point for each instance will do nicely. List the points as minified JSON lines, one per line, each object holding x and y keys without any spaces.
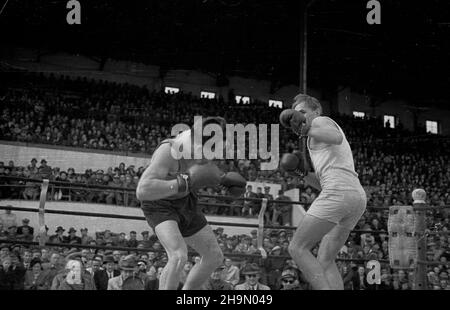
{"x":406,"y":229}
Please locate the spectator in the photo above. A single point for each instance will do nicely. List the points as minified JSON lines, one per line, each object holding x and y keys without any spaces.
{"x":127,"y":278}
{"x":35,"y":278}
{"x":249,"y":206}
{"x":74,"y":277}
{"x":132,"y":242}
{"x":72,"y":238}
{"x":25,"y":223}
{"x":215,"y":281}
{"x":252,"y":275}
{"x":231,"y":273}
{"x":58,"y":238}
{"x":85,"y":239}
{"x":102,"y":276}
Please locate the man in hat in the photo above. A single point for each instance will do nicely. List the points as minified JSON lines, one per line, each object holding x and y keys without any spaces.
{"x":252,"y":275}
{"x":58,"y":237}
{"x":102,"y":276}
{"x":128,"y":268}
{"x":289,"y":280}
{"x":216,"y":282}
{"x":72,"y":237}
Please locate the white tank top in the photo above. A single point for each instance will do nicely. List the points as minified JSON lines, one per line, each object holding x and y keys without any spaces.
{"x":334,"y":164}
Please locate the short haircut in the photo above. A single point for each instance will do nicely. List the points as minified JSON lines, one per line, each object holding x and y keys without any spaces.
{"x":311,"y":102}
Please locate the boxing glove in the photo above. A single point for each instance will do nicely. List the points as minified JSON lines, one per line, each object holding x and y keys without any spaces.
{"x":292,"y":119}
{"x":235,"y":183}
{"x":198,"y":176}
{"x":295,"y":162}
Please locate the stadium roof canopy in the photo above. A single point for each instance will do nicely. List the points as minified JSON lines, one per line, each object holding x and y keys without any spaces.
{"x":407,"y":56}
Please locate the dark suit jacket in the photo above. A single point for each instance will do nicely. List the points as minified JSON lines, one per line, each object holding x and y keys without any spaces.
{"x":101,"y":279}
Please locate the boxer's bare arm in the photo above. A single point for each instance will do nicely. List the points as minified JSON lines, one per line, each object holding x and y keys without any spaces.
{"x":153,"y":184}
{"x":312,"y":180}
{"x":324,"y":130}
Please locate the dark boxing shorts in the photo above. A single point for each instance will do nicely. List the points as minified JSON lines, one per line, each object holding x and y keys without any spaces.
{"x":183,"y":211}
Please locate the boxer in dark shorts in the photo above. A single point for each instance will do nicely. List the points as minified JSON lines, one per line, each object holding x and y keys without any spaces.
{"x":167,"y":190}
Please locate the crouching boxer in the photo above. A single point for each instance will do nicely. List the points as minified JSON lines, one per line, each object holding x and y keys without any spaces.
{"x":167,"y":190}
{"x":342,"y":200}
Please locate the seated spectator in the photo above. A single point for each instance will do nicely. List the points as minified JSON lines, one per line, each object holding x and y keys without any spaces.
{"x":102,"y":276}
{"x":35,"y":278}
{"x":127,"y":280}
{"x":230,"y":272}
{"x":215,"y":281}
{"x":74,"y":276}
{"x":289,"y":281}
{"x":252,"y":275}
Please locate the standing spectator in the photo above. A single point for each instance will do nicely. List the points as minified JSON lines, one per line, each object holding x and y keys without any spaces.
{"x":282,"y":211}
{"x":58,"y":238}
{"x":268,"y":215}
{"x":249,"y":206}
{"x":252,"y":274}
{"x":146,"y":242}
{"x":85,"y":239}
{"x":8,"y":218}
{"x":35,"y":277}
{"x":25,"y":223}
{"x":72,"y":238}
{"x":45,"y":171}
{"x":25,"y":235}
{"x":132,"y":242}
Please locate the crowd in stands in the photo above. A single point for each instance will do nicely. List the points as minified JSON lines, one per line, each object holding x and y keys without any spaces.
{"x":29,"y":267}
{"x":100,"y":115}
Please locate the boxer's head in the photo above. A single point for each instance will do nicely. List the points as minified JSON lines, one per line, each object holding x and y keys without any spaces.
{"x":308,"y":105}
{"x":210,"y":127}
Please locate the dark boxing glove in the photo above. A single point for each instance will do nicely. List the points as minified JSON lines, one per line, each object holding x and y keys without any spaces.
{"x":296,"y":162}
{"x":235,"y":183}
{"x":292,"y":119}
{"x":198,"y":176}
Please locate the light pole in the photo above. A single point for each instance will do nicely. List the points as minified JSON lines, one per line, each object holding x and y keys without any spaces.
{"x":304,"y":48}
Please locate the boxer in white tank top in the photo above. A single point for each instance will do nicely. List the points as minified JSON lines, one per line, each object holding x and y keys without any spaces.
{"x":339,"y":206}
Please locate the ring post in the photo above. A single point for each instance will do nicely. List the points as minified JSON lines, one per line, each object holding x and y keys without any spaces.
{"x":261,"y":228}
{"x":42,"y":200}
{"x":420,"y":281}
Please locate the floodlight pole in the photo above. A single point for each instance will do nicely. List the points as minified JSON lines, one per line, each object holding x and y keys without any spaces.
{"x":304,"y":48}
